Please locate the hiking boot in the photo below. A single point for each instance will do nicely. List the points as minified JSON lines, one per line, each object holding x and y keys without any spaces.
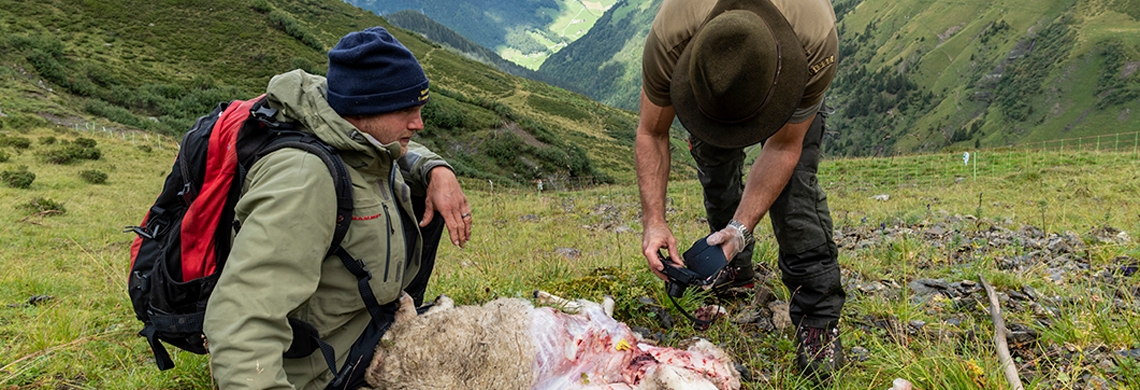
{"x":738,"y":277}
{"x":819,"y":352}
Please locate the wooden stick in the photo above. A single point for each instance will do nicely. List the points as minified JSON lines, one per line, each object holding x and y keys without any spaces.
{"x":1008,"y":367}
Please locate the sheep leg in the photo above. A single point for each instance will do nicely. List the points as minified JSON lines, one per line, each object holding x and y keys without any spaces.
{"x":442,"y":302}
{"x":608,"y":306}
{"x":407,"y":310}
{"x":566,"y":305}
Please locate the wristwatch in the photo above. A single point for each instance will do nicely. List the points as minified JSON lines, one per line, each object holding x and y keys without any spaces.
{"x":747,"y":234}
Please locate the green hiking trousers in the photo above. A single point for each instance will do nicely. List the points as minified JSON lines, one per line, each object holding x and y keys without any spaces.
{"x":801,"y":221}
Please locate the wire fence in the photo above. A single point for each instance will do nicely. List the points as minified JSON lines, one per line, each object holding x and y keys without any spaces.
{"x":918,"y":170}
{"x":135,"y":137}
{"x":915,"y":170}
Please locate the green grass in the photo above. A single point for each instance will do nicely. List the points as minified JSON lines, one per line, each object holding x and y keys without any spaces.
{"x":572,"y":20}
{"x":576,"y":244}
{"x":952,"y":50}
{"x":88,"y":64}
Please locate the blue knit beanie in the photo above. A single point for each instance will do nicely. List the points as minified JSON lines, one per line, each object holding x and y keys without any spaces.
{"x":370,"y":73}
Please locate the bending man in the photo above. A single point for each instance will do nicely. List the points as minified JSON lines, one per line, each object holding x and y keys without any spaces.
{"x":737,"y":73}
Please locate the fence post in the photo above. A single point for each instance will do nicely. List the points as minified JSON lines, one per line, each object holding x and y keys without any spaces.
{"x":898,"y":176}
{"x":1028,"y":158}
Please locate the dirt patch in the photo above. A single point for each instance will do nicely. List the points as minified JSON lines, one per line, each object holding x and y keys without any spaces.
{"x":1057,"y":109}
{"x":527,"y":137}
{"x":594,"y":6}
{"x":1129,"y":69}
{"x":949,"y":32}
{"x":1079,"y":120}
{"x":67,"y":121}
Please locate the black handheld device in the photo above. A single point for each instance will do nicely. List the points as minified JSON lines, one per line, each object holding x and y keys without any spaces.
{"x":703,"y":263}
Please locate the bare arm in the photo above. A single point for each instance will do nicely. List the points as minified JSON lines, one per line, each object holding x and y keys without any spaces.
{"x":766,"y":180}
{"x":651,"y":152}
{"x":770,"y":174}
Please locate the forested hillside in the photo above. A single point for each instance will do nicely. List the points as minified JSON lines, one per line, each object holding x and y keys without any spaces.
{"x":967,"y":74}
{"x":157,"y":66}
{"x":524,"y":32}
{"x":438,"y":33}
{"x":606,"y":63}
{"x":930,"y":75}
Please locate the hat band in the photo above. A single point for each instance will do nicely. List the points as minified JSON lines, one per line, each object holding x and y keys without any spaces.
{"x":771,"y":89}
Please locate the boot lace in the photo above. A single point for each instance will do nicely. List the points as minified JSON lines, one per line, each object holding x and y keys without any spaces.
{"x":816,"y":342}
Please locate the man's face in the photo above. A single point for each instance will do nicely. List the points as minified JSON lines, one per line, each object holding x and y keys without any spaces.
{"x":392,"y":126}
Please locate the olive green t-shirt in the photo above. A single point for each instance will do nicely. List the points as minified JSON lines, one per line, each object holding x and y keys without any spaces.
{"x":678,"y":21}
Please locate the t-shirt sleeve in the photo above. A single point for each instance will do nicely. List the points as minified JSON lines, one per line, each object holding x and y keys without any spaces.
{"x":821,"y":71}
{"x":657,"y":65}
{"x":805,"y":113}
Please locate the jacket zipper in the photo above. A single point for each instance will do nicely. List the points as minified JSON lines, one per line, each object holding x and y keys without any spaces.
{"x":388,"y":214}
{"x":388,"y":217}
{"x":391,"y":231}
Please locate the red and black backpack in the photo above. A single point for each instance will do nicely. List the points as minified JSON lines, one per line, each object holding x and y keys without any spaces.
{"x":181,"y":247}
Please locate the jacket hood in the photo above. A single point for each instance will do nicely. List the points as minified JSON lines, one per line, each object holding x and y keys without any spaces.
{"x":301,"y":97}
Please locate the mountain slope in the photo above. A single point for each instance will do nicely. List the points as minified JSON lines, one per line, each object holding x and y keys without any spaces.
{"x":605,"y":64}
{"x":158,"y":66}
{"x":438,"y":33}
{"x":979,"y":73}
{"x":930,"y":75}
{"x":524,"y":32}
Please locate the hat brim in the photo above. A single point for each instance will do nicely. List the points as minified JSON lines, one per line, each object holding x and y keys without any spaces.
{"x":786,"y":94}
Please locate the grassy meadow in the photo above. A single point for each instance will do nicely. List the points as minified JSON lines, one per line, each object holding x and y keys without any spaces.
{"x":66,"y":321}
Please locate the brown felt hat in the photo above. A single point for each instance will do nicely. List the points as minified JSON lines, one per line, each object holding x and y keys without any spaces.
{"x":741,"y":77}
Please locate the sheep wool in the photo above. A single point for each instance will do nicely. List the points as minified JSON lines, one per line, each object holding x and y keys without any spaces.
{"x":509,"y":344}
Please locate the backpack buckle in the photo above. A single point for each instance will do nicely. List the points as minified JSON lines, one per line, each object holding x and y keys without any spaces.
{"x":153,"y":228}
{"x":188,"y":194}
{"x":264,"y":111}
{"x":267,"y":116}
{"x":140,"y":231}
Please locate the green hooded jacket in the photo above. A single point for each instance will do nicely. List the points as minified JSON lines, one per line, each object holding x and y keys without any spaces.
{"x":277,"y":268}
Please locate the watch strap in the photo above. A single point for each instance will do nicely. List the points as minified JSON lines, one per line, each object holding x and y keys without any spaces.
{"x":744,"y":231}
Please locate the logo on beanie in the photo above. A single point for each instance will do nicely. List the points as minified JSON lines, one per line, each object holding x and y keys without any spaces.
{"x":371,"y":73}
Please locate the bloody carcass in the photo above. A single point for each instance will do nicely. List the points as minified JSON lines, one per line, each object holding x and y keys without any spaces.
{"x":510,"y":344}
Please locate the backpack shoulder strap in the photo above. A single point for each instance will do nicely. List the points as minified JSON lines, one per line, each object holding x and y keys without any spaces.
{"x":306,"y":339}
{"x":341,"y":179}
{"x":264,"y":134}
{"x":282,"y":135}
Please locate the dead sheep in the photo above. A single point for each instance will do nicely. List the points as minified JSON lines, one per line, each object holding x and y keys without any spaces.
{"x":510,"y":344}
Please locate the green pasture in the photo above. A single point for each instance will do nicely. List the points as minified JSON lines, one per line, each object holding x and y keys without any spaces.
{"x":66,"y":322}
